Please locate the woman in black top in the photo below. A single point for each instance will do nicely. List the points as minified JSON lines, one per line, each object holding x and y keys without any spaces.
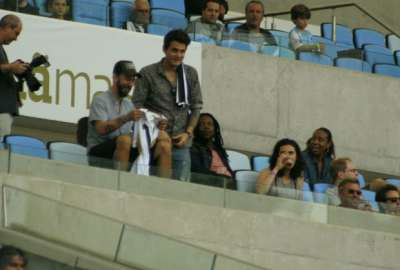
{"x":208,"y":155}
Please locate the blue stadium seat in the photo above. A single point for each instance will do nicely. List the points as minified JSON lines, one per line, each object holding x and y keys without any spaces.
{"x":330,"y":48}
{"x":344,"y":35}
{"x":393,"y":181}
{"x":246,"y":180}
{"x":69,"y":152}
{"x":387,"y":69}
{"x":278,"y":51}
{"x":315,"y":58}
{"x":393,"y":42}
{"x":169,"y":18}
{"x":319,"y":192}
{"x":368,"y":36}
{"x":259,"y":163}
{"x":368,"y":195}
{"x":91,"y":11}
{"x":282,"y":38}
{"x":361,"y":180}
{"x":175,"y":5}
{"x":120,"y":12}
{"x":239,"y":45}
{"x":353,"y":64}
{"x":397,"y":57}
{"x":231,"y":26}
{"x":238,"y":161}
{"x":375,"y":54}
{"x":202,"y":38}
{"x":157,"y":29}
{"x":307,"y":193}
{"x":26,"y":145}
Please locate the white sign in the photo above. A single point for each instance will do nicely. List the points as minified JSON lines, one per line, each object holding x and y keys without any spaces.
{"x":82,"y":57}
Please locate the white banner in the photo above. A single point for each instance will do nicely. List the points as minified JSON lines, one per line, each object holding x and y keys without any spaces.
{"x":82,"y":57}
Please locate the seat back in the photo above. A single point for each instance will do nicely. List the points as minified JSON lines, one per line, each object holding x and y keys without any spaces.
{"x":238,"y":161}
{"x":42,"y":6}
{"x":169,"y":18}
{"x":319,"y":192}
{"x":307,"y":193}
{"x":375,"y":54}
{"x":202,"y":38}
{"x":353,"y":64}
{"x":397,"y":57}
{"x":387,"y":70}
{"x":68,"y":152}
{"x":120,"y":12}
{"x":158,"y":29}
{"x":91,"y":11}
{"x":26,"y":145}
{"x":246,"y":180}
{"x":368,"y":36}
{"x":230,"y":27}
{"x":239,"y":45}
{"x":278,"y":51}
{"x":175,"y":5}
{"x":393,"y":42}
{"x":259,"y":163}
{"x":344,"y":34}
{"x":393,"y":181}
{"x":361,"y":180}
{"x":315,"y":58}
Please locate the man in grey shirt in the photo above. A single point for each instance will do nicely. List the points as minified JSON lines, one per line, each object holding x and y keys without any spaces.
{"x":208,"y":25}
{"x":171,"y":88}
{"x":111,"y":120}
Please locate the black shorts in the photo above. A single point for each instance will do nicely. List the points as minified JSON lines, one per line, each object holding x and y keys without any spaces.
{"x":102,"y":154}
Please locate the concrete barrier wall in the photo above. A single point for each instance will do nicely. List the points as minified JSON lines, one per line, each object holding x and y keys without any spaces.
{"x":261,"y":239}
{"x":260,"y":99}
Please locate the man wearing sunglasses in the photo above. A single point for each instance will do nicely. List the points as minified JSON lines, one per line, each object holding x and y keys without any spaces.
{"x":341,"y":169}
{"x":388,"y":199}
{"x":350,"y":195}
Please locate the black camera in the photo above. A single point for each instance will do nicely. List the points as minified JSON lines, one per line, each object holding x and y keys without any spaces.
{"x":28,"y":76}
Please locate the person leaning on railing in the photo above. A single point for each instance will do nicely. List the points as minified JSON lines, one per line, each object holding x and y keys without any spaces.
{"x":284,"y":177}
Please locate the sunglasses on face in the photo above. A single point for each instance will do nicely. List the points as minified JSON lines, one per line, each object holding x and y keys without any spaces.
{"x":393,"y":200}
{"x":353,"y":191}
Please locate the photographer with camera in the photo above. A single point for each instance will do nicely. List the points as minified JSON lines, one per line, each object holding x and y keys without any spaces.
{"x":10,"y":28}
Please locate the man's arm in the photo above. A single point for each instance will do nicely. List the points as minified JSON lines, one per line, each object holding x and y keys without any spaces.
{"x":108,"y":126}
{"x":196,"y":104}
{"x":16,"y":67}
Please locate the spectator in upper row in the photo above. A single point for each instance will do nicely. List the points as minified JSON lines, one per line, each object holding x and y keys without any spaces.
{"x":318,"y":156}
{"x":341,"y":169}
{"x":285,"y":173}
{"x":59,"y":9}
{"x":223,"y":10}
{"x":195,"y":7}
{"x":300,"y":39}
{"x":140,"y":17}
{"x":351,"y":196}
{"x":208,"y":24}
{"x":21,"y":6}
{"x":12,"y":258}
{"x":251,"y":30}
{"x":388,"y":199}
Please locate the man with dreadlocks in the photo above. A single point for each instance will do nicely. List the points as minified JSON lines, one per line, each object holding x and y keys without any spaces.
{"x":208,"y":154}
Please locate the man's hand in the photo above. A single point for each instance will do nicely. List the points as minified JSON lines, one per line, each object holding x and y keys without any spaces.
{"x":18,"y":67}
{"x":163,"y":124}
{"x":136,"y":114}
{"x":181,"y":139}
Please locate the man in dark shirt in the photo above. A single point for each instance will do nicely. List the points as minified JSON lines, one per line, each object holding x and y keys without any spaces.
{"x":23,"y":7}
{"x":251,"y":30}
{"x":172,"y":89}
{"x":10,"y":28}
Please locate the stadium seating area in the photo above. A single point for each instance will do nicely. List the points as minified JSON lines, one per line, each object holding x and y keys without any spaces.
{"x":246,"y":169}
{"x":363,"y":50}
